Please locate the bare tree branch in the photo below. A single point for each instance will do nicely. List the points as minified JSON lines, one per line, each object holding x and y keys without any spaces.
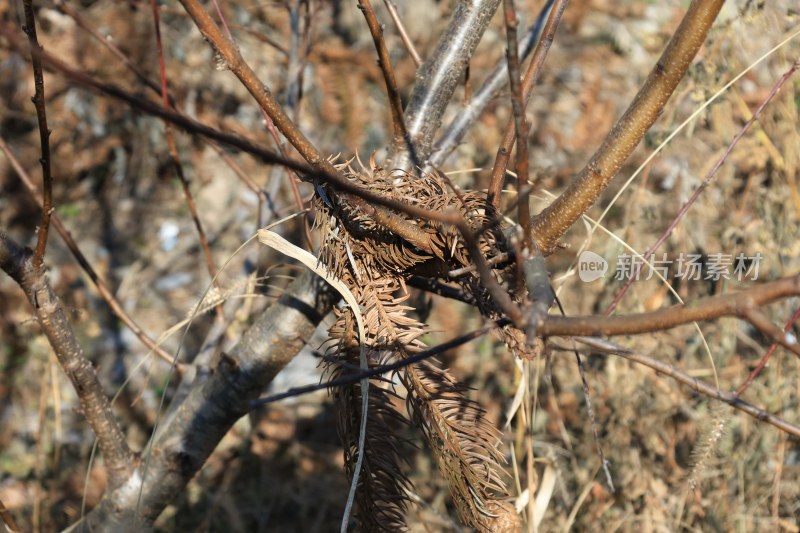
{"x":520,"y":122}
{"x":395,"y":105}
{"x":586,"y":187}
{"x":233,"y":59}
{"x":735,"y":304}
{"x":766,"y":357}
{"x":498,"y":79}
{"x":401,"y":29}
{"x":44,"y":133}
{"x":706,"y":389}
{"x":17,"y":262}
{"x":213,"y":405}
{"x":532,"y":75}
{"x":438,"y":78}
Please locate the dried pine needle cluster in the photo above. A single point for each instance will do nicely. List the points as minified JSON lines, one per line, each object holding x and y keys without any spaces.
{"x":375,"y":264}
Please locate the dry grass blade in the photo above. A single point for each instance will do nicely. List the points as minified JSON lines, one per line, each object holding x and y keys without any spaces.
{"x":273,"y":240}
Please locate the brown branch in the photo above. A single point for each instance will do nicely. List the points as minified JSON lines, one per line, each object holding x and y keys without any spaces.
{"x":213,"y":405}
{"x":469,"y":113}
{"x":385,"y":62}
{"x":762,"y":323}
{"x":401,"y":29}
{"x":359,"y":197}
{"x":520,"y":124}
{"x":109,"y":44}
{"x":712,"y":392}
{"x":105,"y":292}
{"x":696,"y":385}
{"x":532,"y":75}
{"x":498,"y":293}
{"x":438,"y":78}
{"x":176,"y":161}
{"x":234,"y":61}
{"x":551,"y":224}
{"x":18,"y":263}
{"x":8,"y":519}
{"x":44,"y":134}
{"x":765,"y":359}
{"x":735,"y":304}
{"x":701,"y":188}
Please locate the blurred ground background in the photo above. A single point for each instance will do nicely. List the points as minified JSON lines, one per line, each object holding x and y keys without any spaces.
{"x":281,"y":468}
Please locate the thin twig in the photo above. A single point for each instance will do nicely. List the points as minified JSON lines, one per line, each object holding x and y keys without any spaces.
{"x":551,"y":224}
{"x":734,"y":304}
{"x":234,"y":61}
{"x":696,"y":385}
{"x":458,"y":272}
{"x":176,"y":161}
{"x":455,"y":131}
{"x":438,"y":78}
{"x":762,"y":323}
{"x":18,"y":263}
{"x":520,"y":123}
{"x":223,"y":21}
{"x":532,"y":75}
{"x":712,"y":392}
{"x":109,"y":44}
{"x":44,"y":133}
{"x":105,"y":292}
{"x":709,"y":178}
{"x":356,"y":377}
{"x":587,"y":394}
{"x":498,"y":293}
{"x":385,"y":62}
{"x":765,"y":359}
{"x":401,"y":29}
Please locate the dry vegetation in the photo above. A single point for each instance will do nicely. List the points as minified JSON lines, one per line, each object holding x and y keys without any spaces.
{"x":679,"y":461}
